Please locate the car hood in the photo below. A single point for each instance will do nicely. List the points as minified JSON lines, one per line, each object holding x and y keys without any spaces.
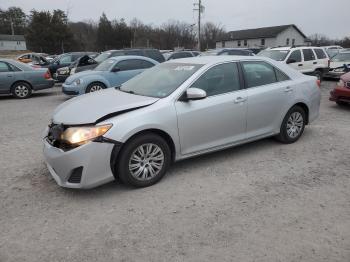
{"x":96,"y":107}
{"x":337,"y":64}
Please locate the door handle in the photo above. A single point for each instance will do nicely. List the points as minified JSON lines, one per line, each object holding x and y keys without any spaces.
{"x":288,"y":89}
{"x":300,"y":65}
{"x":315,"y":63}
{"x":240,"y":100}
{"x":9,"y":75}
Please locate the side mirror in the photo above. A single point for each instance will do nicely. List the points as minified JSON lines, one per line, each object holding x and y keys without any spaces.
{"x":194,"y":93}
{"x":291,"y":61}
{"x":115,"y":69}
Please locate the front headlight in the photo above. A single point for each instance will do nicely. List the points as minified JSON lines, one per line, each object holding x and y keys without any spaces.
{"x":78,"y":82}
{"x":82,"y":135}
{"x":72,"y":72}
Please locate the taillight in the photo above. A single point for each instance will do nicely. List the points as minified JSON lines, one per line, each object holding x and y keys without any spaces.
{"x":318,"y":82}
{"x":47,"y":75}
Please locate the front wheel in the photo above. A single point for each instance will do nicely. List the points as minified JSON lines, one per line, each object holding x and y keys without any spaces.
{"x":94,"y":87}
{"x":144,"y":160}
{"x":293,"y":125}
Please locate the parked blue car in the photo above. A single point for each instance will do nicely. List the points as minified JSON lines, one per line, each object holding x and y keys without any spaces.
{"x":110,"y":73}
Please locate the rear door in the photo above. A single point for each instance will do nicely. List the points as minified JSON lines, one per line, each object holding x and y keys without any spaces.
{"x":270,"y":93}
{"x":322,"y":58}
{"x":309,"y":60}
{"x":6,"y":77}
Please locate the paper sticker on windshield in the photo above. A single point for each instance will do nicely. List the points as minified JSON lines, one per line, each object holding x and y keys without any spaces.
{"x":184,"y":68}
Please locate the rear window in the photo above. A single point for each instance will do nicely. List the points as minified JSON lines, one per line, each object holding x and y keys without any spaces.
{"x":308,"y":55}
{"x":278,"y":55}
{"x":320,"y":53}
{"x":155,"y":54}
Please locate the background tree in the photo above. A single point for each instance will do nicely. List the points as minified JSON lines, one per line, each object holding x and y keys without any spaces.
{"x":18,"y":18}
{"x":104,"y":34}
{"x":48,"y":32}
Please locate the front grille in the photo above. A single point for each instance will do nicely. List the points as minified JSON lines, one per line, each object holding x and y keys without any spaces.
{"x":75,"y":177}
{"x":54,"y":135}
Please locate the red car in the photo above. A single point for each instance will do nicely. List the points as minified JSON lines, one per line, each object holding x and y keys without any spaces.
{"x":341,"y":93}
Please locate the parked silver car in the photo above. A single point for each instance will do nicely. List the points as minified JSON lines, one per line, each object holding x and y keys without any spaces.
{"x":176,"y":110}
{"x":21,"y":80}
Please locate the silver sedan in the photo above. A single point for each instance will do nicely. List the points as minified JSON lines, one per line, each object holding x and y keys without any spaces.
{"x":176,"y":110}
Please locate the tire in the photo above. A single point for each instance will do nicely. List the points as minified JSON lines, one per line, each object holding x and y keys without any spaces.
{"x":319,"y":75}
{"x":93,"y":87}
{"x":341,"y":103}
{"x":293,"y":125}
{"x":136,"y":171}
{"x":21,"y":90}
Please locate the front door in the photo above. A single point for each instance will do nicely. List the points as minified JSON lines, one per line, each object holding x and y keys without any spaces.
{"x":220,"y":118}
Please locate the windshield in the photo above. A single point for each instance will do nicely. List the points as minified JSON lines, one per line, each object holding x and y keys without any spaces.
{"x":105,"y":66}
{"x":341,"y":57}
{"x":102,"y":57}
{"x":161,"y":80}
{"x":278,"y":55}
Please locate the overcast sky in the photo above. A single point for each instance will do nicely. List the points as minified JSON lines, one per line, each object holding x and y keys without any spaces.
{"x":312,"y":16}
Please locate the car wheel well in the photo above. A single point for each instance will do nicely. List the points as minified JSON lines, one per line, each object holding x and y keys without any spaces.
{"x":306,"y":110}
{"x":22,"y":81}
{"x":97,"y":82}
{"x":117,"y":148}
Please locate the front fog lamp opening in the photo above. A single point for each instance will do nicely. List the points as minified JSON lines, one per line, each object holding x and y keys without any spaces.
{"x":82,"y":135}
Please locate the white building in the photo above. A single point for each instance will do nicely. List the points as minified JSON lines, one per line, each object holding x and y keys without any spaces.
{"x":12,"y":42}
{"x":285,"y":35}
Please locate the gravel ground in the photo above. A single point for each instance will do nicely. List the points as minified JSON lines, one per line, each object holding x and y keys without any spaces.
{"x":259,"y":202}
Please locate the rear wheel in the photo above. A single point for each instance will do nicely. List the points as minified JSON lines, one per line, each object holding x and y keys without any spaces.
{"x":293,"y":125}
{"x":21,"y":90}
{"x":144,"y":160}
{"x":341,"y":103}
{"x":93,"y":87}
{"x":318,"y":74}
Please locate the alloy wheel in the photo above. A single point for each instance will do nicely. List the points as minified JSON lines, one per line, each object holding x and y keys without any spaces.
{"x":295,"y":125}
{"x":146,"y":162}
{"x":95,"y":88}
{"x":21,"y":91}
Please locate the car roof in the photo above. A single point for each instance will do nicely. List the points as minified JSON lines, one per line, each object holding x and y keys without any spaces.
{"x":207,"y":60}
{"x":129,"y":57}
{"x":287,"y":48}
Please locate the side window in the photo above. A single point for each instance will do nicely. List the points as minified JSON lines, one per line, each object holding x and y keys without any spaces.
{"x":132,"y":64}
{"x":146,"y":64}
{"x":66,"y":59}
{"x":308,"y":55}
{"x":219,"y":79}
{"x":4,"y":67}
{"x":258,"y":73}
{"x":320,"y":53}
{"x":295,"y":56}
{"x":14,"y":68}
{"x":281,"y":76}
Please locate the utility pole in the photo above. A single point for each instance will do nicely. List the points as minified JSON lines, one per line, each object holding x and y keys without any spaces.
{"x":12,"y":28}
{"x":200,"y":8}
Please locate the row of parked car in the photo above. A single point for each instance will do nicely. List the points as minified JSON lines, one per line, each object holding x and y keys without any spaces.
{"x":85,"y":72}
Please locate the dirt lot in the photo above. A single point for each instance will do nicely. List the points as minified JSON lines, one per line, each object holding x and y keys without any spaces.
{"x":259,"y":202}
